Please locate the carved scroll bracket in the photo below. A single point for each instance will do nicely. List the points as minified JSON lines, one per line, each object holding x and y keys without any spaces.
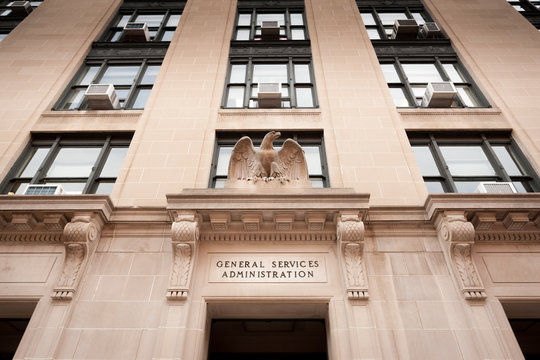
{"x":185,"y":236}
{"x":80,"y":238}
{"x":350,"y":235}
{"x":457,"y":237}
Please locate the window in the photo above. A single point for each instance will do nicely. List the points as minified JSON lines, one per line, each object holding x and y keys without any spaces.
{"x":82,"y":165}
{"x":459,"y":162}
{"x":294,"y":76}
{"x":530,"y":9}
{"x":407,"y":80}
{"x":311,"y":142}
{"x":132,"y":82}
{"x":380,"y":22}
{"x":291,"y":23}
{"x":161,"y":23}
{"x":9,"y":18}
{"x":5,"y":8}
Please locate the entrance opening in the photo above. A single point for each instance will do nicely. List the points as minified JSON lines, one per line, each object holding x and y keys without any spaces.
{"x":524,"y":318}
{"x":14,"y":318}
{"x":270,"y":339}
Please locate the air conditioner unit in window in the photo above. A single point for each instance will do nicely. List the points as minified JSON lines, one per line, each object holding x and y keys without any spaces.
{"x":20,"y":8}
{"x":439,"y":94}
{"x":136,"y":32}
{"x":496,"y":188}
{"x":430,"y":30}
{"x":269,"y":95}
{"x":102,"y":97}
{"x":43,"y":189}
{"x":270,"y":30}
{"x":405,"y":29}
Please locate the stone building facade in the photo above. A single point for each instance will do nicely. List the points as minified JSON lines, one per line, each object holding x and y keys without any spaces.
{"x":391,"y":254}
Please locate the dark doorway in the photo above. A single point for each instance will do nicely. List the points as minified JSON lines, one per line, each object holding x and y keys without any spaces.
{"x":527,"y":332}
{"x":268,"y":339}
{"x":11,"y":332}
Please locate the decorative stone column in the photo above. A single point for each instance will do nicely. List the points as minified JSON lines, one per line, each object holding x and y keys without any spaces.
{"x":185,"y":235}
{"x":350,"y":236}
{"x":80,"y":238}
{"x":457,"y":237}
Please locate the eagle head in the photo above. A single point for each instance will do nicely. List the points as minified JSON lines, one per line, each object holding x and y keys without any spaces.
{"x":268,"y":140}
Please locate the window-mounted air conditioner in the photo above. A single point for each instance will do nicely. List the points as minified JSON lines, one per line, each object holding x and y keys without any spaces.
{"x":269,"y":95}
{"x":496,"y":188}
{"x":44,"y":189}
{"x":404,"y":29}
{"x":20,"y":8}
{"x":430,"y":30}
{"x":102,"y":97}
{"x":136,"y":32}
{"x":439,"y":94}
{"x":270,"y":30}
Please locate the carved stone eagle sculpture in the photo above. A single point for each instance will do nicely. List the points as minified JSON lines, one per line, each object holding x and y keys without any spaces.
{"x":286,"y":166}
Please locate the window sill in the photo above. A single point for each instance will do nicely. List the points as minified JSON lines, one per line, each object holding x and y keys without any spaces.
{"x":449,"y":111}
{"x":280,"y":111}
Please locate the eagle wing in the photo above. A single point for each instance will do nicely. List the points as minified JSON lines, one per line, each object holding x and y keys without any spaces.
{"x":243,"y":161}
{"x":292,"y":161}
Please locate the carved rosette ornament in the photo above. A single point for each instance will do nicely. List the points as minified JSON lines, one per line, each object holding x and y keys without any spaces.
{"x":458,"y":237}
{"x":185,"y":234}
{"x":80,"y":237}
{"x":350,"y":235}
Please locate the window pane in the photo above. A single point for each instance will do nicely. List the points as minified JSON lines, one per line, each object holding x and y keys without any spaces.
{"x":19,"y":188}
{"x":88,"y":75}
{"x":453,"y":73}
{"x":304,"y":97}
{"x":34,"y":163}
{"x":173,"y":20}
{"x":74,"y":99}
{"x":467,"y":161}
{"x":104,"y":188}
{"x":373,"y":34}
{"x":271,"y":17}
{"x":150,"y":20}
{"x":70,"y":187}
{"x":419,"y":18}
{"x":235,"y":97}
{"x":74,"y":162}
{"x":313,"y":159}
{"x":244,"y":19}
{"x":519,"y":187}
{"x":150,"y":75}
{"x":298,"y":34}
{"x":434,"y":187}
{"x":467,"y":186}
{"x":119,"y":75}
{"x":224,"y":156}
{"x":368,"y":19}
{"x":238,"y":73}
{"x":115,"y":36}
{"x":297,"y":19}
{"x":263,"y":73}
{"x":167,"y":35}
{"x":389,"y":18}
{"x":3,"y":36}
{"x":141,"y":99}
{"x":317,"y":183}
{"x":123,"y":21}
{"x":466,"y":96}
{"x":425,"y":160}
{"x":301,"y":73}
{"x":399,"y":97}
{"x":421,"y":73}
{"x":507,"y":161}
{"x":220,"y":183}
{"x":242,"y":34}
{"x":114,"y":162}
{"x":390,"y":73}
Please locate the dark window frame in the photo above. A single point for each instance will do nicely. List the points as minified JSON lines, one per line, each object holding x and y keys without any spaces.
{"x":484,"y":140}
{"x":530,"y":10}
{"x":287,"y":26}
{"x":55,"y":142}
{"x":304,"y":138}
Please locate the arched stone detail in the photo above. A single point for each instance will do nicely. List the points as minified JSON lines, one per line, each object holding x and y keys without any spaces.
{"x":80,"y":237}
{"x":350,"y":235}
{"x":457,"y":235}
{"x":184,"y":236}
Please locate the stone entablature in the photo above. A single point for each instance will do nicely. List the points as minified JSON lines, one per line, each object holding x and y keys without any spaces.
{"x":465,"y":219}
{"x":76,"y":221}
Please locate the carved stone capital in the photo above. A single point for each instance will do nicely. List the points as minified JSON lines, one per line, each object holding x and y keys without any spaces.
{"x":80,"y":237}
{"x":185,"y":235}
{"x":457,"y":237}
{"x":350,"y":235}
